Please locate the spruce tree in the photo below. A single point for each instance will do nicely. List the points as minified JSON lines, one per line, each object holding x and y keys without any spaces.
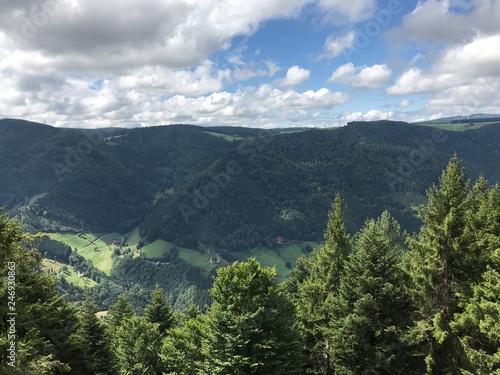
{"x":478,"y":326}
{"x":138,"y":345}
{"x":373,"y":308}
{"x":251,"y":326}
{"x":441,"y":263}
{"x":43,"y":319}
{"x":320,"y":287}
{"x":182,"y":347}
{"x":120,"y":311}
{"x":91,"y":342}
{"x":158,"y":311}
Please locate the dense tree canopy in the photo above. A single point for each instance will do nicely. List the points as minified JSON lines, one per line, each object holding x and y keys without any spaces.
{"x":378,"y":302}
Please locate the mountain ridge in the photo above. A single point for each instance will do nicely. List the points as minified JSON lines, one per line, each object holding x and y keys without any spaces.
{"x":185,"y":184}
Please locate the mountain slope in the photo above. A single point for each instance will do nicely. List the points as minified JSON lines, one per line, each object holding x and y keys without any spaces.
{"x":230,"y":188}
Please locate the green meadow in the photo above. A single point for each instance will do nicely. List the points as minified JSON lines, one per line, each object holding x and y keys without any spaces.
{"x":70,"y":274}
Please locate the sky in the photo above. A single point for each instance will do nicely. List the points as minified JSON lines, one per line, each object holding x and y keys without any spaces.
{"x":253,"y":63}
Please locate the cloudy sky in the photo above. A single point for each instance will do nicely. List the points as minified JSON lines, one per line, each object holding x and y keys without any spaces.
{"x":258,"y":63}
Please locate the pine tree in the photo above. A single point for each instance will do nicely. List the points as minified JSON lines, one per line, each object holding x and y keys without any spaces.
{"x":181,"y":351}
{"x":479,"y":324}
{"x":320,"y":286}
{"x":120,"y":311}
{"x":373,"y":308}
{"x":91,"y":342}
{"x":441,"y":263}
{"x":138,"y":344}
{"x":44,"y":320}
{"x":158,"y":311}
{"x":251,"y":325}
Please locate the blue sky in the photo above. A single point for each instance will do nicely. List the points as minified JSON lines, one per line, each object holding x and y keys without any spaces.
{"x":260,"y":63}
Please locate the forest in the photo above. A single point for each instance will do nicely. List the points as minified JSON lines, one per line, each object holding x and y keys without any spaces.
{"x":380,"y":301}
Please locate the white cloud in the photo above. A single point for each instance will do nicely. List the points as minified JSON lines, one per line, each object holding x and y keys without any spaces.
{"x":365,"y":76}
{"x":334,"y":46}
{"x":446,"y":22}
{"x":464,"y":79}
{"x":353,"y":10}
{"x":118,"y":102}
{"x":458,"y":65}
{"x":405,"y":103}
{"x":294,"y":76}
{"x":161,"y":81}
{"x":371,"y":115}
{"x":127,"y":62}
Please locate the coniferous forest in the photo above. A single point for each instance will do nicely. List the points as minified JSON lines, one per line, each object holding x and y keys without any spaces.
{"x":381,"y":301}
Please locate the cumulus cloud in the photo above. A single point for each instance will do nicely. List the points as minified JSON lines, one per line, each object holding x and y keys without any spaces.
{"x":448,"y":21}
{"x":458,"y":65}
{"x":129,"y":33}
{"x":371,"y":115}
{"x":405,"y":103}
{"x":294,"y":76}
{"x":78,"y":102}
{"x":334,"y":46}
{"x":127,"y":62}
{"x":364,"y":76}
{"x":465,"y":78}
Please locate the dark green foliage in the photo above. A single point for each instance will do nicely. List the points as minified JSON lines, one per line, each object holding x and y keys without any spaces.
{"x":137,"y":346}
{"x":120,"y":311}
{"x":198,"y":188}
{"x":184,"y":284}
{"x":318,"y":288}
{"x":478,"y":324}
{"x":43,"y":322}
{"x":251,"y":325}
{"x":181,"y":352}
{"x":373,"y":308}
{"x":441,"y":267}
{"x":92,"y":347}
{"x":158,"y":311}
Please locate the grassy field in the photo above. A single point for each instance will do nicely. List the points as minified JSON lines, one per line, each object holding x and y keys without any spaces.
{"x":160,"y":247}
{"x":228,"y":138}
{"x":277,"y":257}
{"x":70,"y":275}
{"x":457,"y":127}
{"x":99,"y":256}
{"x":97,"y":248}
{"x":157,"y":249}
{"x":92,"y":246}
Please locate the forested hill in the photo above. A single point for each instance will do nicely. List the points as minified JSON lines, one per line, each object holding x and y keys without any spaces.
{"x":231,"y":188}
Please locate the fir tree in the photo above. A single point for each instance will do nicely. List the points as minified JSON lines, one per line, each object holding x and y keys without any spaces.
{"x":120,"y":311}
{"x":138,"y":344}
{"x":320,"y":287}
{"x":373,"y":308}
{"x":158,"y":311}
{"x":44,"y":320}
{"x":92,"y":343}
{"x":478,"y":325}
{"x":441,"y":263}
{"x":251,"y":325}
{"x":181,"y":351}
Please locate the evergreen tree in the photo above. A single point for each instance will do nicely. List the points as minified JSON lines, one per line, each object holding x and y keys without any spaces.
{"x":91,"y":342}
{"x":138,"y":344}
{"x":120,"y":311}
{"x":441,"y":264}
{"x":158,"y":311}
{"x":319,"y":289}
{"x":181,"y":351}
{"x":478,"y":325}
{"x":44,"y":320}
{"x":251,"y":326}
{"x":373,"y":308}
